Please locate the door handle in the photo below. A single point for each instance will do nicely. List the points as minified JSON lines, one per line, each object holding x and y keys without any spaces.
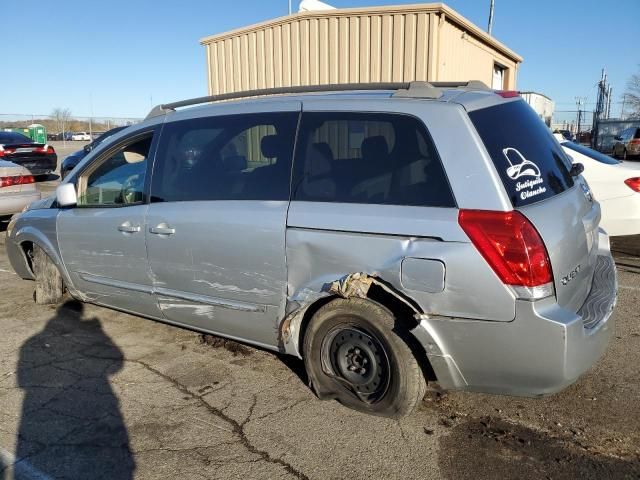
{"x":126,"y":227}
{"x":162,"y":229}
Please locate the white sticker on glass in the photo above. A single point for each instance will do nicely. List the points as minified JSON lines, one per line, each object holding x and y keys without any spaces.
{"x":520,"y":167}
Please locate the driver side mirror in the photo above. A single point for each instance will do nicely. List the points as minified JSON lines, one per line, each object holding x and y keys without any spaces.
{"x":617,"y":138}
{"x":66,"y":195}
{"x":87,"y":148}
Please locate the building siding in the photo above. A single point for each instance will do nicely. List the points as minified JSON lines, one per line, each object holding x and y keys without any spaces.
{"x":402,"y":43}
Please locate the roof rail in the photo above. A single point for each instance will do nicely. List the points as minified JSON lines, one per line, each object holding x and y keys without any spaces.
{"x":403,"y":89}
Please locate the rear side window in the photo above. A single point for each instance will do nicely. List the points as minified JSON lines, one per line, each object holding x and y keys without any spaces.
{"x":530,"y":161}
{"x":239,"y":157}
{"x":637,"y":135}
{"x":12,"y":137}
{"x":370,"y":158}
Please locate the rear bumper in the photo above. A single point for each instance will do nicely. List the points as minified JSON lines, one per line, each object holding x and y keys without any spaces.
{"x":15,"y":202}
{"x":543,"y":350}
{"x":40,"y":165}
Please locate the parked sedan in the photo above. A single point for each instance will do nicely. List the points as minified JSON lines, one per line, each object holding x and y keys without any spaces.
{"x":39,"y":158}
{"x":627,"y":143}
{"x":74,"y":158}
{"x":615,"y":184}
{"x":17,"y":188}
{"x":81,"y":136}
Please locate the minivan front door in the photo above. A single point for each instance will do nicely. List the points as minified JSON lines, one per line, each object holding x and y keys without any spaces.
{"x":216,"y":222}
{"x":102,"y":240}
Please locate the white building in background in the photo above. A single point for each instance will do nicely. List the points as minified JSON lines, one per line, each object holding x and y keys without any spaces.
{"x":542,"y":105}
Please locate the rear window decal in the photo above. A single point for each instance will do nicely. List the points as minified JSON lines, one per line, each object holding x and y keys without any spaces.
{"x":520,"y":167}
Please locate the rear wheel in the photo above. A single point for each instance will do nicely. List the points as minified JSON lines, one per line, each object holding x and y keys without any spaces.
{"x":355,"y":352}
{"x":49,"y":284}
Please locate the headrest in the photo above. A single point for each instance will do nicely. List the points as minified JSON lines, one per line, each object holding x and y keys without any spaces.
{"x":271,"y":146}
{"x":374,"y":147}
{"x":323,"y":149}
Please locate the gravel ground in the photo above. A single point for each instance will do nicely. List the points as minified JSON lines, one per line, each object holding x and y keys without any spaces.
{"x":87,"y":392}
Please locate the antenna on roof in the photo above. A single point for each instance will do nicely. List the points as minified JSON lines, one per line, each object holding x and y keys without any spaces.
{"x":313,"y":6}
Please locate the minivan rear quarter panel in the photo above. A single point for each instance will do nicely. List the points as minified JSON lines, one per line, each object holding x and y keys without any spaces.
{"x":326,"y":241}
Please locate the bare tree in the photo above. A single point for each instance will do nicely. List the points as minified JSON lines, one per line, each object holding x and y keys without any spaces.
{"x":632,"y":95}
{"x":61,"y":116}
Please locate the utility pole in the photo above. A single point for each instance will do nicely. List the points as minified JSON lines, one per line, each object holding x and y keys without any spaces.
{"x":601,"y":105}
{"x":609,"y":95}
{"x":624,"y":99}
{"x":289,"y":7}
{"x":490,"y":26}
{"x":579,"y":102}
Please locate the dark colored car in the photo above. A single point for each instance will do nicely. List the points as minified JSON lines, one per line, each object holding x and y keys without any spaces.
{"x":74,"y":158}
{"x":38,"y":158}
{"x":627,"y":143}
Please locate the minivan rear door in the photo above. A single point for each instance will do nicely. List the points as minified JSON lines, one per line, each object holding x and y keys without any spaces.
{"x":536,"y":175}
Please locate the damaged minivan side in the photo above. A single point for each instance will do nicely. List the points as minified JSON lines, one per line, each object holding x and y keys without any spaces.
{"x":388,"y":237}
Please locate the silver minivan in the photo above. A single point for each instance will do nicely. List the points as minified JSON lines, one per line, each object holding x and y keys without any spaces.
{"x":389,"y":235}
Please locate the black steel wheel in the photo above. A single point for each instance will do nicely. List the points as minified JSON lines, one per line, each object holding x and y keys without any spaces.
{"x":358,"y":358}
{"x":354,"y":352}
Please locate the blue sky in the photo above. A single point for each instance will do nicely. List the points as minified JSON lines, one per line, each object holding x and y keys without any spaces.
{"x":115,"y":58}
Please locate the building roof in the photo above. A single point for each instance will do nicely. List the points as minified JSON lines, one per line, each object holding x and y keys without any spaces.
{"x":438,"y":8}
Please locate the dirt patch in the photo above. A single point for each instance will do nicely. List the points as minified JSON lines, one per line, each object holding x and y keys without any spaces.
{"x":229,"y":345}
{"x":490,"y":447}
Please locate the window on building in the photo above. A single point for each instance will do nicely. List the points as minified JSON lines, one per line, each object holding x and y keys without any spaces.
{"x":499,"y":75}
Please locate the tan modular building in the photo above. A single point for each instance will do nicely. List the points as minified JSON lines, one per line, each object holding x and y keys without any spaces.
{"x":354,"y":45}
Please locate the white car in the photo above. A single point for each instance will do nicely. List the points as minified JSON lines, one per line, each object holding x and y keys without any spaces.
{"x":615,"y":184}
{"x":83,"y":136}
{"x":17,"y":188}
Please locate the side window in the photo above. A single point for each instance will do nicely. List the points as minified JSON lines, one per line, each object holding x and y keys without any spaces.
{"x":239,"y":157}
{"x":386,"y":159}
{"x":637,"y":133}
{"x":118,"y":179}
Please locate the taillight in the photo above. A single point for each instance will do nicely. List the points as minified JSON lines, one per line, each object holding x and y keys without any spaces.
{"x":633,"y":183}
{"x":513,"y":248}
{"x":16,"y":180}
{"x":48,"y":149}
{"x":635,"y":141}
{"x":1,"y":151}
{"x":508,"y":93}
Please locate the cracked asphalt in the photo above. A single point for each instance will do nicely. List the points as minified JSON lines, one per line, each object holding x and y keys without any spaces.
{"x":87,"y":392}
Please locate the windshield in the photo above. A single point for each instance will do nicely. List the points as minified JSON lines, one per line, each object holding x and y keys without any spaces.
{"x":597,"y":156}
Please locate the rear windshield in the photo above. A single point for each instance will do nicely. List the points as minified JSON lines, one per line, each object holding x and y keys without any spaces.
{"x":530,"y":161}
{"x":12,"y":137}
{"x":597,"y":156}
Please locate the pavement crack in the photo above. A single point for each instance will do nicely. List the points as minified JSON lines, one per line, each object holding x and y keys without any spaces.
{"x":237,"y":428}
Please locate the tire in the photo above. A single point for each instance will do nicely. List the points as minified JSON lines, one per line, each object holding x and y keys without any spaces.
{"x":355,"y":351}
{"x":49,"y":284}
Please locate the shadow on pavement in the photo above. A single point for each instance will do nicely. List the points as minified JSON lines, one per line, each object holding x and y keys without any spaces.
{"x":71,"y":425}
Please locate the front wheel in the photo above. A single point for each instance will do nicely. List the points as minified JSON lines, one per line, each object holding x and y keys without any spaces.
{"x":355,"y":352}
{"x":49,"y":283}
